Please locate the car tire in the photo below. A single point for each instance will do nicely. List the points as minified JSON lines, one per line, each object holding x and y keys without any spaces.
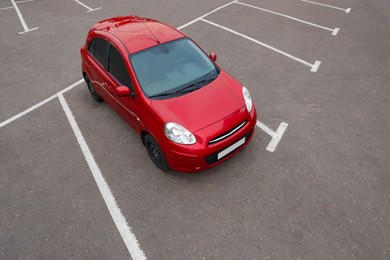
{"x":92,"y":90}
{"x":155,"y":153}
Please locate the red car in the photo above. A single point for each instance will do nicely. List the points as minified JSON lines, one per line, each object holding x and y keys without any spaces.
{"x":189,"y":113}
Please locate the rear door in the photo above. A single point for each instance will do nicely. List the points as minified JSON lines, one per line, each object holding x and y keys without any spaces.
{"x":96,"y":63}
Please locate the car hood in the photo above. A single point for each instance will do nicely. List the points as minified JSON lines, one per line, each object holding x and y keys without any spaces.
{"x":205,"y":106}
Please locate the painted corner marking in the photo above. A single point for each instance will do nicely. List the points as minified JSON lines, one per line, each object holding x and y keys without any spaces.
{"x":29,"y":30}
{"x":276,"y":136}
{"x":315,"y":66}
{"x":94,"y":9}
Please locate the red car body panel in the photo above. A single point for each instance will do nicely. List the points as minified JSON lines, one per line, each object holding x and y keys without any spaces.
{"x":208,"y":112}
{"x":195,"y":108}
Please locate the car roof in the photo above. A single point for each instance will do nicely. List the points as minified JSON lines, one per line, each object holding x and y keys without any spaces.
{"x":138,"y":33}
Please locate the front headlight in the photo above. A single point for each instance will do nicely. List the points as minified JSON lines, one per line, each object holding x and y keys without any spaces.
{"x":178,"y":134}
{"x":247,"y":98}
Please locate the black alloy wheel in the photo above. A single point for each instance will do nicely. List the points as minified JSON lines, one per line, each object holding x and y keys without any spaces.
{"x":155,"y":153}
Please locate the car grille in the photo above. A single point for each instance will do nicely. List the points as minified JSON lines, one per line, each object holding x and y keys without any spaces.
{"x":227,"y":134}
{"x":213,"y":158}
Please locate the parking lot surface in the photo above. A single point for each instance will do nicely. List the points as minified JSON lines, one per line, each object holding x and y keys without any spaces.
{"x":77,"y":183}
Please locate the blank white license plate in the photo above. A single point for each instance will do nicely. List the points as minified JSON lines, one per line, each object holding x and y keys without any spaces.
{"x":231,"y":148}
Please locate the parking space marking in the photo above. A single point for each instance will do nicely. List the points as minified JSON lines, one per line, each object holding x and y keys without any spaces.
{"x":24,"y":1}
{"x":5,"y":8}
{"x":89,"y":9}
{"x":116,"y":214}
{"x":18,"y":2}
{"x":276,"y":136}
{"x":314,"y":67}
{"x":334,"y":31}
{"x":9,"y":120}
{"x":203,"y":16}
{"x":330,"y":6}
{"x":25,"y":27}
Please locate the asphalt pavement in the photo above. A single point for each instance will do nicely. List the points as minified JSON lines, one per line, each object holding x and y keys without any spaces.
{"x":319,"y":74}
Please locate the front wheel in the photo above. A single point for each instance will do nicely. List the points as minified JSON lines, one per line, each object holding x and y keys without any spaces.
{"x":155,"y":153}
{"x":92,"y":90}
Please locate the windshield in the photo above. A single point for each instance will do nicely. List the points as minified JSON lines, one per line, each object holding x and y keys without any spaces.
{"x":168,"y":69}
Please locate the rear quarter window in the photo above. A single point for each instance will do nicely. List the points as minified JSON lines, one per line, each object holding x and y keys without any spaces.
{"x":91,"y":47}
{"x":97,"y":48}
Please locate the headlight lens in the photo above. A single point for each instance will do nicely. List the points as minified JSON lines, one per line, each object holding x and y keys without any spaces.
{"x":178,"y":134}
{"x":247,"y":98}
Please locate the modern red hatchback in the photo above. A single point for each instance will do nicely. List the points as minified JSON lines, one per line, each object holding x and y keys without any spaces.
{"x":190,"y":114}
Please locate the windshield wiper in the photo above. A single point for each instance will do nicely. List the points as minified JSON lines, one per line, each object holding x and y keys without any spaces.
{"x":162,"y":95}
{"x":192,"y":87}
{"x":197,"y":85}
{"x":189,"y":88}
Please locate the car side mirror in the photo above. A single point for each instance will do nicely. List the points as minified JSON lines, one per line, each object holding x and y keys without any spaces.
{"x":123,"y":91}
{"x":213,"y":56}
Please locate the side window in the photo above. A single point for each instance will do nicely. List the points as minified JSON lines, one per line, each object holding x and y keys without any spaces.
{"x":117,"y":67}
{"x":91,"y":47}
{"x":99,"y":46}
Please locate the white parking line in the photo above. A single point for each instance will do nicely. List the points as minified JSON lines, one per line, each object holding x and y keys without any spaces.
{"x":128,"y":237}
{"x":87,"y":7}
{"x":314,"y":67}
{"x":334,"y":31}
{"x":5,"y":8}
{"x":17,"y":2}
{"x":9,"y":120}
{"x":203,"y":16}
{"x":24,"y":1}
{"x":276,"y":136}
{"x":25,"y":27}
{"x":330,"y":6}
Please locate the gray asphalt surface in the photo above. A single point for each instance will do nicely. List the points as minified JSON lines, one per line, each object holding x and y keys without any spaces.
{"x":323,"y":194}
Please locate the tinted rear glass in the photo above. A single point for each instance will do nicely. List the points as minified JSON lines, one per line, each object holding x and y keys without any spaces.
{"x":100,"y":48}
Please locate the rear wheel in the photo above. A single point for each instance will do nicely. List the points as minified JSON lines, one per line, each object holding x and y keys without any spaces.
{"x":155,"y":153}
{"x":92,"y":90}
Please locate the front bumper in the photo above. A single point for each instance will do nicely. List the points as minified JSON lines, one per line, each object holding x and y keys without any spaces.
{"x":203,"y":155}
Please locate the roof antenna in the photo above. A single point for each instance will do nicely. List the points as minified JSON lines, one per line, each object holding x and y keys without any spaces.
{"x":154,"y":36}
